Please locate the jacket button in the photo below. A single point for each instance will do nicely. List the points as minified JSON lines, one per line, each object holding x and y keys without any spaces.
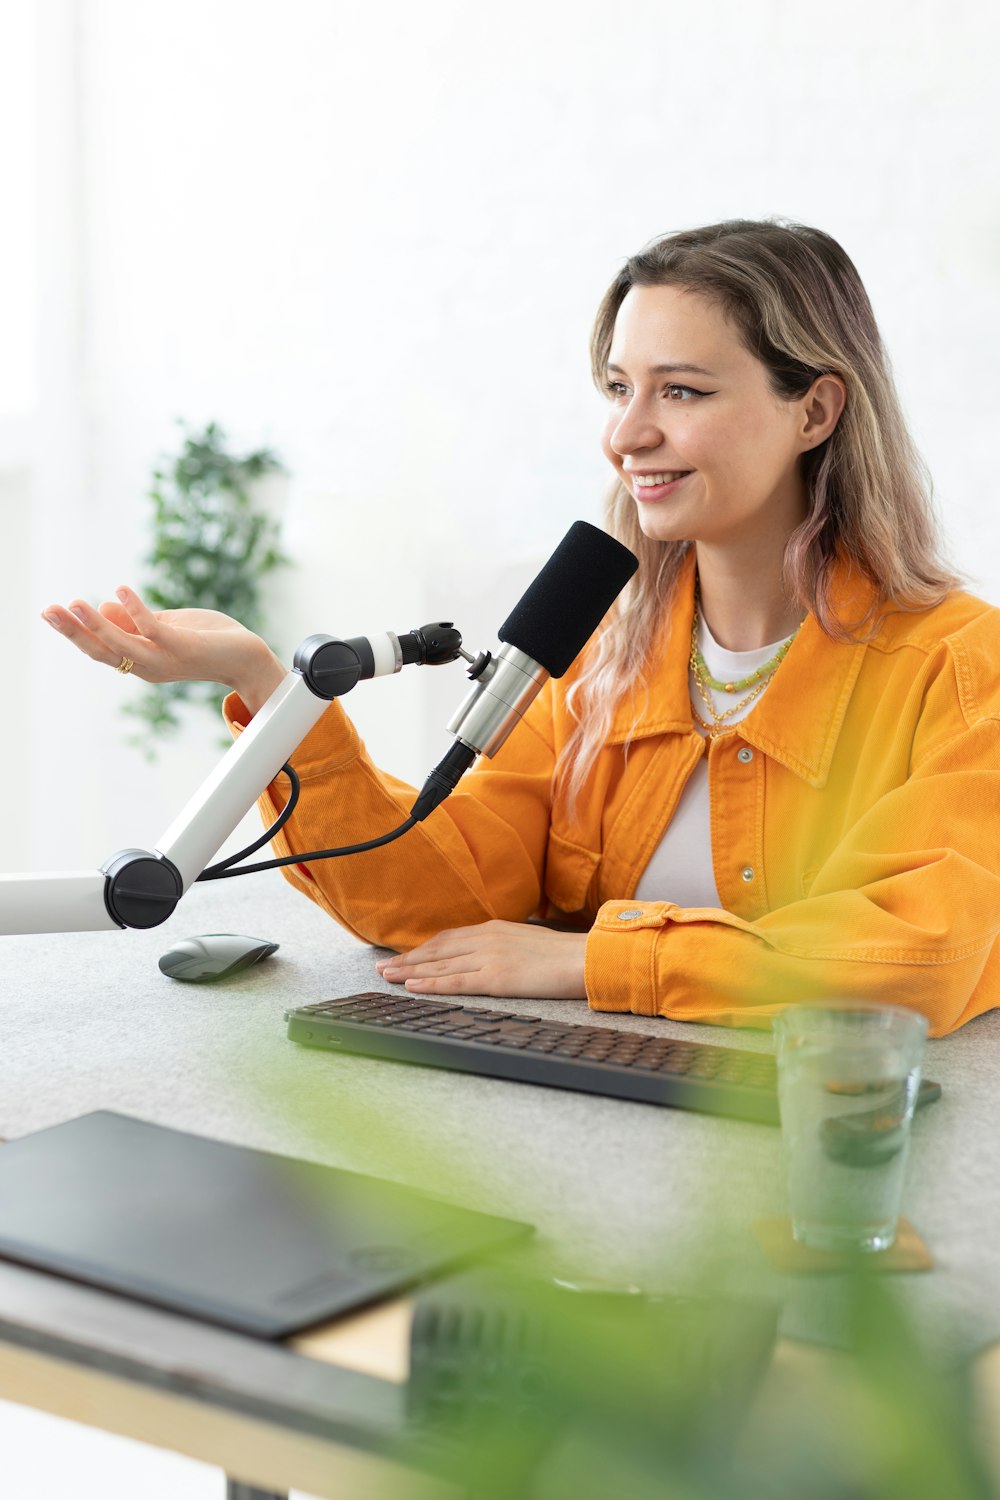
{"x":747,"y":873}
{"x":745,"y":755}
{"x":628,"y":916}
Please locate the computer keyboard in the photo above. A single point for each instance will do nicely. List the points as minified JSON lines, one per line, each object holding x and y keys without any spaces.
{"x":499,"y":1044}
{"x":491,"y":1350}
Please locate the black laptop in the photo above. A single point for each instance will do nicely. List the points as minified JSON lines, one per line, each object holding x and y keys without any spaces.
{"x":256,"y":1242}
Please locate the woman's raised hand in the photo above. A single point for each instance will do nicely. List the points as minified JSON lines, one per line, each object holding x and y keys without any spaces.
{"x":171,"y":645}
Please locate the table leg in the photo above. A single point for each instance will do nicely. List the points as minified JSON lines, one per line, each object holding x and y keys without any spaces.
{"x":236,"y":1490}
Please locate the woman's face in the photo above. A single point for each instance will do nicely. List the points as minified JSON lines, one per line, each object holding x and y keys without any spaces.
{"x":707,"y":450}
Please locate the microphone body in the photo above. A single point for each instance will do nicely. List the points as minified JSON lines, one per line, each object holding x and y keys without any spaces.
{"x":499,"y":699}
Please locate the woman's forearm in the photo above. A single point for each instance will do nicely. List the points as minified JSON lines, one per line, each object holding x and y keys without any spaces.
{"x":258,"y":679}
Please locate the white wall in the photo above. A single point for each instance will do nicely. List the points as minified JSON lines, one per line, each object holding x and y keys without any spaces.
{"x":375,"y":236}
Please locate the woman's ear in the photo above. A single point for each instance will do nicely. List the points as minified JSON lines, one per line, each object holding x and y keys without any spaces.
{"x":822,"y":405}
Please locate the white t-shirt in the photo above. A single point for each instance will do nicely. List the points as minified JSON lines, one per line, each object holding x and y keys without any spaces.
{"x":680,"y":867}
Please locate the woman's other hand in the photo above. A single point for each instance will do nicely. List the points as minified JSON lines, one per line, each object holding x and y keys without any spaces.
{"x":171,"y":645}
{"x":512,"y":959}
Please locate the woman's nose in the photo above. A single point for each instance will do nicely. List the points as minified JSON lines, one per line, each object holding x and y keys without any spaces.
{"x":635,"y":430}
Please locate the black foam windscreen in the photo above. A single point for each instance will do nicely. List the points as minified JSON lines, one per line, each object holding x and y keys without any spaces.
{"x":559,"y":612}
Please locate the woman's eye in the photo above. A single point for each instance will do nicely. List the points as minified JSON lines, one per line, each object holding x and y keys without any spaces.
{"x":618,"y":391}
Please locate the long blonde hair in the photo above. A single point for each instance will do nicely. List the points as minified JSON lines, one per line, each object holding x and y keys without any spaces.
{"x":801,"y":309}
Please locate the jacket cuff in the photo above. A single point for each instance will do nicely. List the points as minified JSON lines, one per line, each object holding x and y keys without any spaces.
{"x":620,"y":960}
{"x":331,"y":744}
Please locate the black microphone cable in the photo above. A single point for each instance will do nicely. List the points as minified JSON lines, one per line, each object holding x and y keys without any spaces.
{"x":224,"y":869}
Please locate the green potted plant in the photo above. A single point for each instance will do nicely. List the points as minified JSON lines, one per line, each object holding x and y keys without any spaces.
{"x":213,"y":544}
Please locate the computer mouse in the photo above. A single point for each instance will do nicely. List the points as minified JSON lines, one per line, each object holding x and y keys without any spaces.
{"x":215,"y":955}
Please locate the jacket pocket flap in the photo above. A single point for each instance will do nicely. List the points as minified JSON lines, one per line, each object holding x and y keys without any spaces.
{"x":569,"y":870}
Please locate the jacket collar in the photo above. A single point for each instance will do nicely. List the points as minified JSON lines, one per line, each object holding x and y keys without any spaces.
{"x":796,"y":721}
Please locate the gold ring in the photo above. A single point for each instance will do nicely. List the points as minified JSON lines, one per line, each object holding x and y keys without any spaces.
{"x":125,"y":665}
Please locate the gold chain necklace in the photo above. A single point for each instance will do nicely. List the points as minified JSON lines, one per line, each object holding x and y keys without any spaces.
{"x":704,"y":679}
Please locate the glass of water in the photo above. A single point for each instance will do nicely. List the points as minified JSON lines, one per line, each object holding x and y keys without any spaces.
{"x":848,"y":1076}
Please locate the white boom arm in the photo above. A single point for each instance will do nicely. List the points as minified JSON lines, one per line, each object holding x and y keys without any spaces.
{"x":141,"y":888}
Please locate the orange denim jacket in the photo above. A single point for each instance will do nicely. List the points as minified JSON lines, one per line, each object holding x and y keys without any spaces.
{"x":855,"y":819}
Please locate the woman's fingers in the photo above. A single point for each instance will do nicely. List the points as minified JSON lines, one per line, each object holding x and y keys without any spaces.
{"x":129,"y":613}
{"x":112,"y":632}
{"x":457,"y":983}
{"x":434,"y":968}
{"x":80,"y":625}
{"x":453,"y":962}
{"x":445,"y":947}
{"x":118,"y":615}
{"x":146,"y":622}
{"x":115,"y":641}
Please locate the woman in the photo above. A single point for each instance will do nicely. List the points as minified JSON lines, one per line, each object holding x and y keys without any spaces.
{"x":775,"y":774}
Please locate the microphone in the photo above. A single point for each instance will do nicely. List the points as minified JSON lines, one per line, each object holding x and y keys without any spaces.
{"x":543,"y":634}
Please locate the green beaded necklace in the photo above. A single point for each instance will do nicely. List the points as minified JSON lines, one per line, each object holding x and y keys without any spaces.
{"x":700,"y":667}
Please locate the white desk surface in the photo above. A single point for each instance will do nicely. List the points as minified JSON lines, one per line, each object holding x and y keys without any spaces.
{"x":623,"y":1192}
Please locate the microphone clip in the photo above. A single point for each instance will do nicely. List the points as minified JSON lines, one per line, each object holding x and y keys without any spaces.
{"x":431,"y":645}
{"x":477,"y":664}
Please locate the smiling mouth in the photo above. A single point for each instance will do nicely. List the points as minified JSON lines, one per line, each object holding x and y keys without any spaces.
{"x":655,"y":481}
